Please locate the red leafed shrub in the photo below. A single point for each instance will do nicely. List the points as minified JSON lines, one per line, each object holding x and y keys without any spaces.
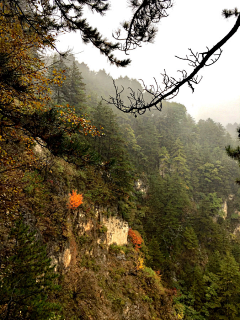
{"x":75,"y":200}
{"x":136,"y":239}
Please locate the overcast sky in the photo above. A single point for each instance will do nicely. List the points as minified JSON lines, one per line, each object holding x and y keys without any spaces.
{"x":191,"y":24}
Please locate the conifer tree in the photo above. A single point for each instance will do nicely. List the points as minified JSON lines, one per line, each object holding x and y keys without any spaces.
{"x":60,"y":89}
{"x":27,"y":278}
{"x":71,"y":89}
{"x":77,"y":87}
{"x":117,"y":169}
{"x":147,"y":138}
{"x":228,"y":290}
{"x":156,"y":258}
{"x":179,"y":160}
{"x":164,"y":161}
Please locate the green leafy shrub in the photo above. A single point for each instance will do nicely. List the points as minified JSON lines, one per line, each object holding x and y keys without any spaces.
{"x":102,"y":229}
{"x":115,"y":249}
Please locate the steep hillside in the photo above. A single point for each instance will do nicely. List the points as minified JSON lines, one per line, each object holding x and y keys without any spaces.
{"x":138,"y":217}
{"x":102,"y":275}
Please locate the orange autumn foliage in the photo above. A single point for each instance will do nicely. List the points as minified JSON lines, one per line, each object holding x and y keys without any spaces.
{"x":24,"y":82}
{"x":135,"y":238}
{"x":75,"y":200}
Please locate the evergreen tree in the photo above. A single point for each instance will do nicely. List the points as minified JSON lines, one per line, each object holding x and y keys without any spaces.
{"x":60,"y":88}
{"x":179,"y":160}
{"x":228,"y":290}
{"x":76,"y":95}
{"x":148,"y":139}
{"x":210,"y":177}
{"x":164,"y":162}
{"x":156,"y":258}
{"x":27,"y":279}
{"x":116,"y":168}
{"x":190,"y":239}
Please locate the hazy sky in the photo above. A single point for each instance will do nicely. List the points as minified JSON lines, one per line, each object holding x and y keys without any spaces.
{"x":191,"y":24}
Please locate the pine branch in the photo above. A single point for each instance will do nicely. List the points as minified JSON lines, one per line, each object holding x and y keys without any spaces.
{"x":62,"y":16}
{"x":140,"y":28}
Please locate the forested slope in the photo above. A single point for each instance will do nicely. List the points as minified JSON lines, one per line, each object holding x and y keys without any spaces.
{"x":166,"y":175}
{"x":189,"y":210}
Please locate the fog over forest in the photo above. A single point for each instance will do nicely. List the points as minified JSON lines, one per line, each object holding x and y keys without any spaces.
{"x":116,"y":203}
{"x":225,"y":112}
{"x":217,"y":96}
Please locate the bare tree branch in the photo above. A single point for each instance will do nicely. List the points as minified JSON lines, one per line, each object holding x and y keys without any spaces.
{"x":171,"y":86}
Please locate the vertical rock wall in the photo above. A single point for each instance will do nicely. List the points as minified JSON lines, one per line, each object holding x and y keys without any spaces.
{"x":117,"y":230}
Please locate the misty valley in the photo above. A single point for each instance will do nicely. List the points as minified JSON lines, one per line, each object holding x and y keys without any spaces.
{"x":105,"y":215}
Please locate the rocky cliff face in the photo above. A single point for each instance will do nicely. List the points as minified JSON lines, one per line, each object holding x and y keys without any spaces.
{"x":102,"y":275}
{"x":116,"y":231}
{"x":111,"y":230}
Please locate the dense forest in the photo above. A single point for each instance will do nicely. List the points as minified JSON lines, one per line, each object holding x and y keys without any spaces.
{"x":187,"y":205}
{"x":69,"y":163}
{"x":169,"y":177}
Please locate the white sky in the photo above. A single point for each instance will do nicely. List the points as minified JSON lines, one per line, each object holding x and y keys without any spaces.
{"x":191,"y":24}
